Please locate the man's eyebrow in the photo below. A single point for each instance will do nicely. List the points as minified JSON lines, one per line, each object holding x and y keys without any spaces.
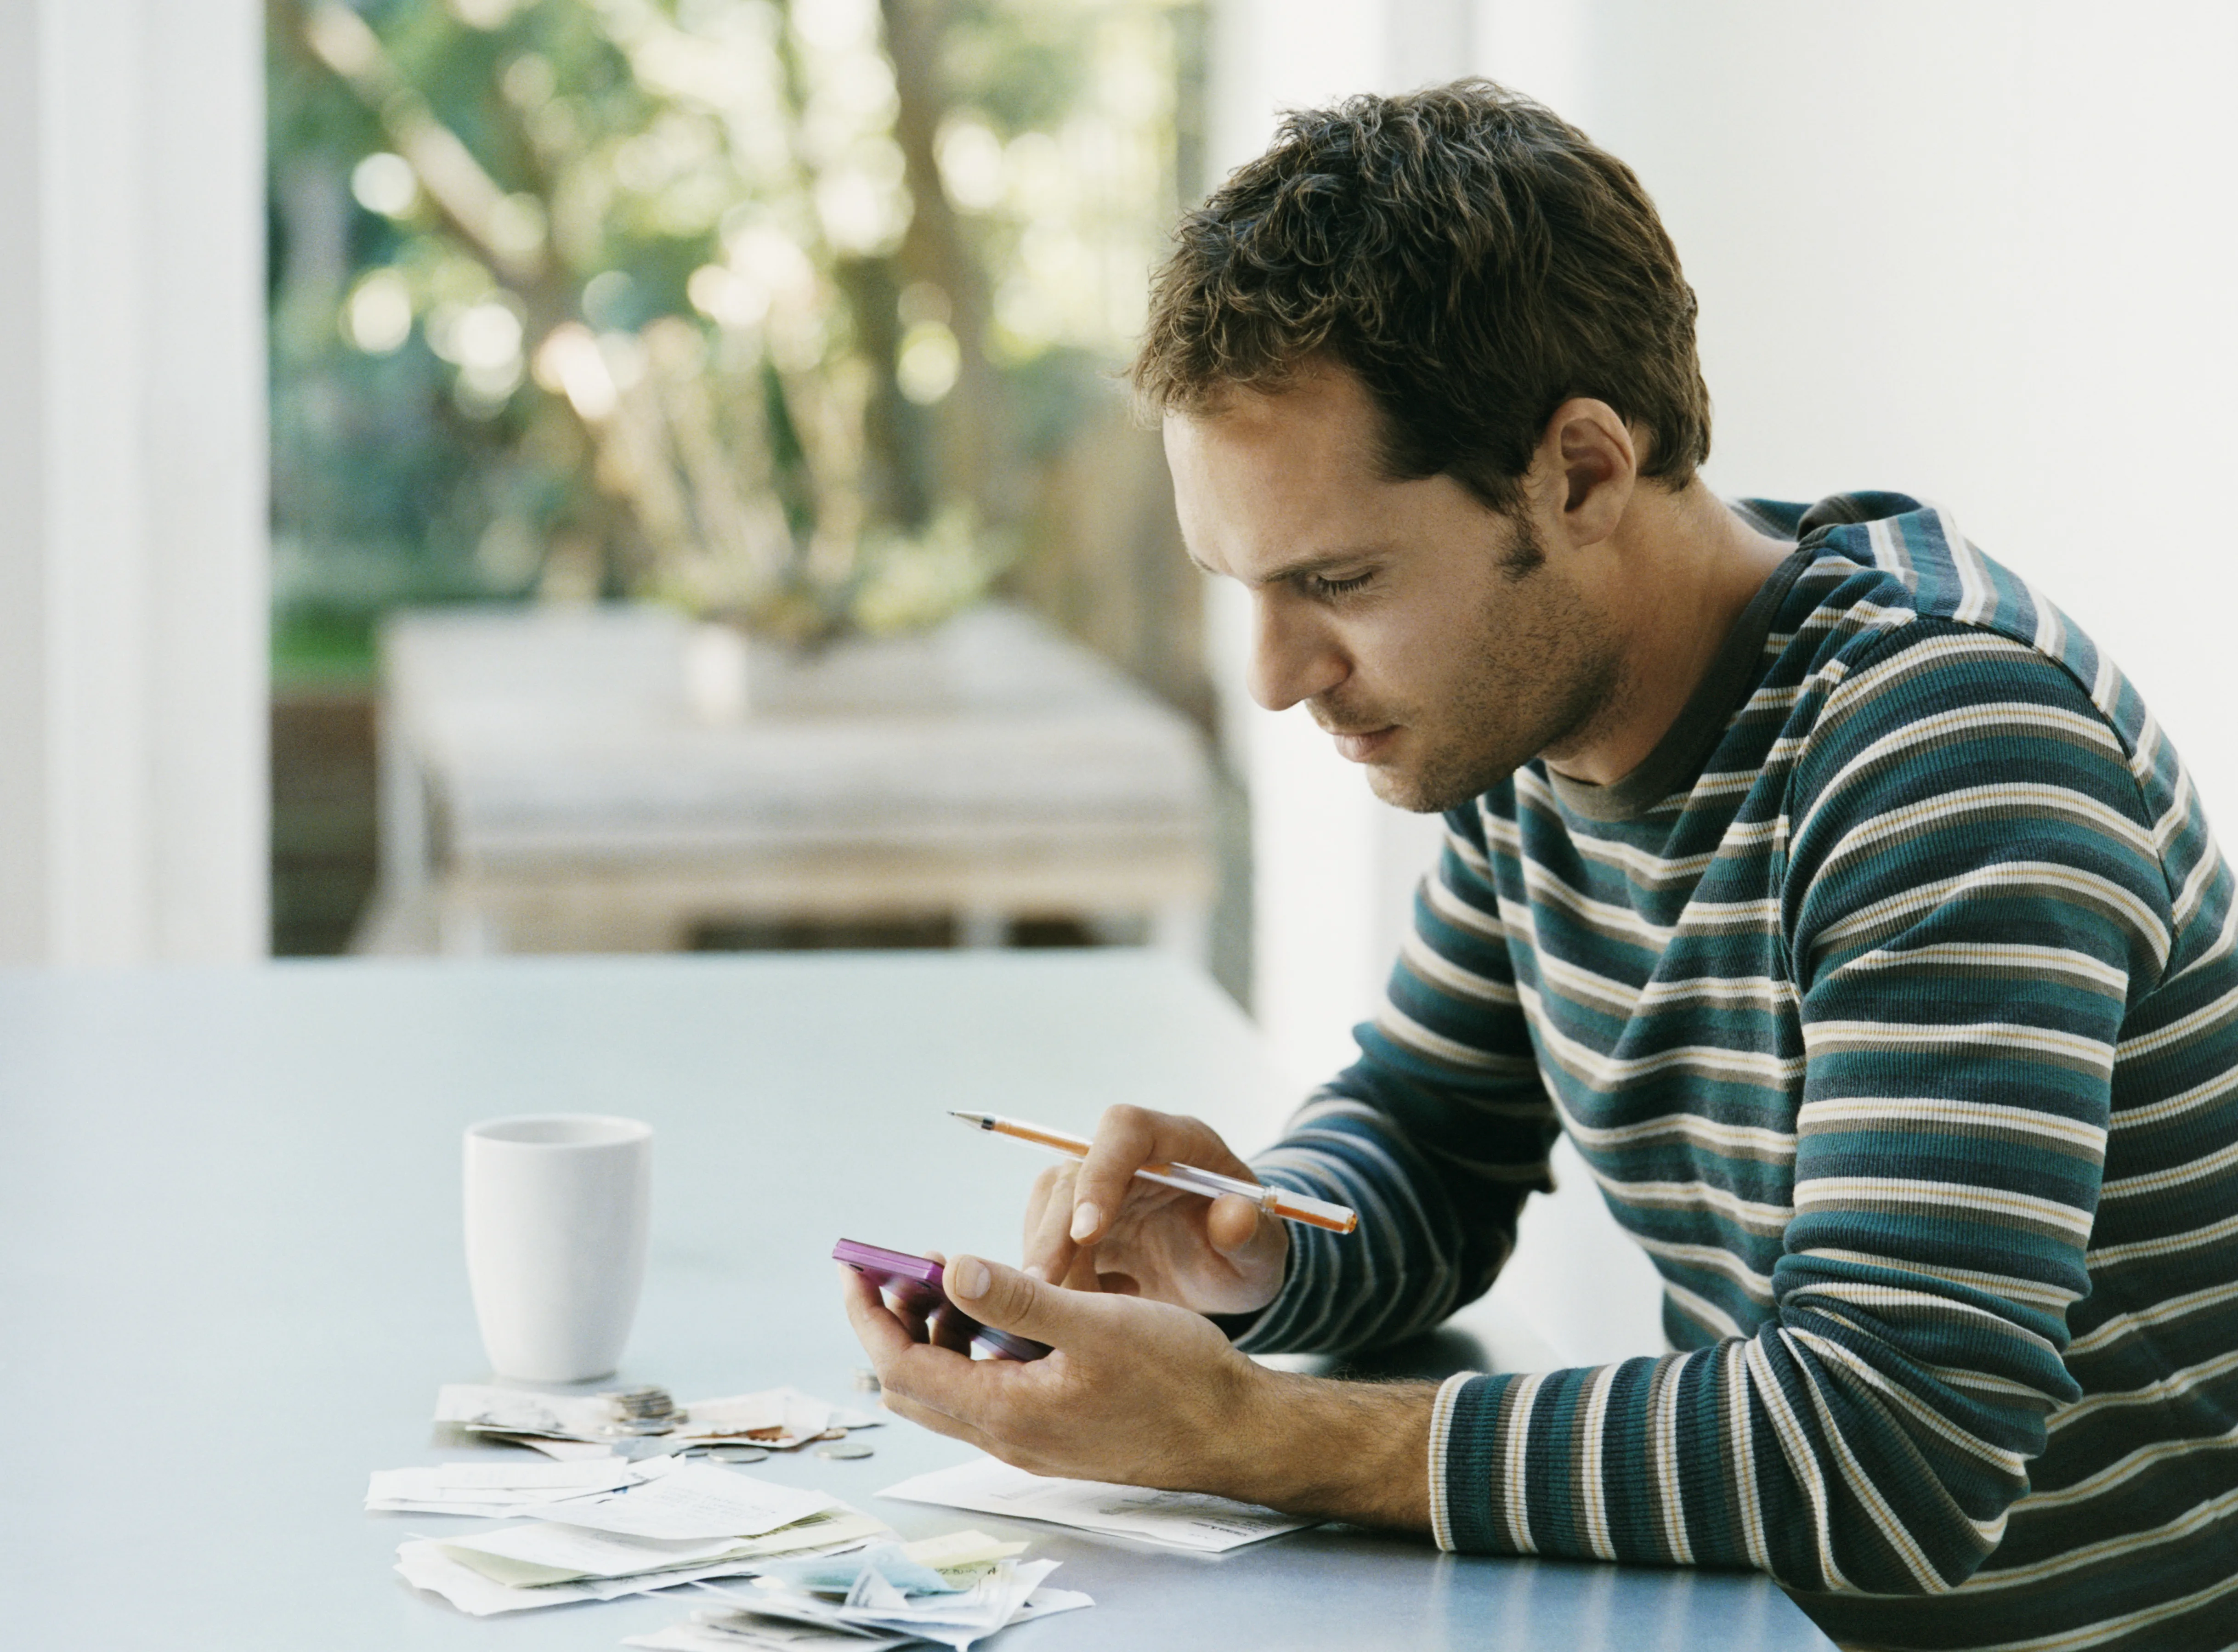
{"x":1318,"y":562}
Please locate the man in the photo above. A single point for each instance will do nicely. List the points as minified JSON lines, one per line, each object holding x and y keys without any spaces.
{"x":1827,"y":886}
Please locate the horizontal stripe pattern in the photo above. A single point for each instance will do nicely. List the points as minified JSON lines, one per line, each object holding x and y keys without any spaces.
{"x":1905,"y":1038}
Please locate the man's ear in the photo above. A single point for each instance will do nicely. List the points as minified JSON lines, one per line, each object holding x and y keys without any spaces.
{"x":1589,"y":462}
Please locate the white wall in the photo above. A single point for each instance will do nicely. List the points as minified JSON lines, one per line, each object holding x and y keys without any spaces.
{"x":1973,"y":249}
{"x":1978,"y":250}
{"x":132,"y":454}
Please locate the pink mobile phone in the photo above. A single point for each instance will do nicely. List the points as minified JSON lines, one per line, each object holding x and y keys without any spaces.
{"x":916,"y":1280}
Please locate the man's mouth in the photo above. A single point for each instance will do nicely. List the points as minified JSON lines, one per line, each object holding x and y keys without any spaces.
{"x":1364,"y":746}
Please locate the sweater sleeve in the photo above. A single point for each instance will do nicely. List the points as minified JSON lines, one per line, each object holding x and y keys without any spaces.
{"x":1436,"y":1134}
{"x":1970,"y":900}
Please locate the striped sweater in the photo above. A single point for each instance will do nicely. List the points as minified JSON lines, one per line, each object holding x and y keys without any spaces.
{"x":1893,"y":1004}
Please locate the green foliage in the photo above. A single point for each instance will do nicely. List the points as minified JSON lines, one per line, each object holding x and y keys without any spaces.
{"x":754,"y":308}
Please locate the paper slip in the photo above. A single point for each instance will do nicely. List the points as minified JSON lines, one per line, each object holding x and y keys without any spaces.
{"x":438,"y":1568}
{"x":512,"y":1411}
{"x":501,"y":1488}
{"x":500,"y":1475}
{"x":954,"y":1549}
{"x":743,"y":1632}
{"x":740,"y":1632}
{"x":932,"y":1565}
{"x":530,"y":1557}
{"x":544,"y":1552}
{"x":693,"y":1500}
{"x":424,"y":1565}
{"x":955,"y":1620}
{"x":565,"y":1450}
{"x":1180,"y":1519}
{"x":779,"y":1419}
{"x":838,"y":1575}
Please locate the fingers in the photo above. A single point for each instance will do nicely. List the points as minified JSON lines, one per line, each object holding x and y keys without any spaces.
{"x":1233,"y":1223}
{"x":949,"y":1327}
{"x":918,"y":1315}
{"x":910,"y":1312}
{"x":1049,"y":1250}
{"x":857,"y":1291}
{"x":1082,"y":1276}
{"x":1126,"y":1140}
{"x":939,"y":1421}
{"x":907,"y":1366}
{"x":882,"y":1334}
{"x":1014,"y":1301}
{"x":931,"y":1319}
{"x":944,"y":1389}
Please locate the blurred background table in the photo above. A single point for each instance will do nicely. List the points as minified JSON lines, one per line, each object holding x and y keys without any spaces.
{"x":231,"y":1280}
{"x":612,"y":779}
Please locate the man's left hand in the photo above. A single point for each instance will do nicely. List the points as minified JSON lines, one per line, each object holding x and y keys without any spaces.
{"x":1141,"y":1392}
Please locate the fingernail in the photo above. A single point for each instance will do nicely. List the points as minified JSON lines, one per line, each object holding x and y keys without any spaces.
{"x":1084,"y":1219}
{"x":1035,"y":1270}
{"x":972,"y":1280}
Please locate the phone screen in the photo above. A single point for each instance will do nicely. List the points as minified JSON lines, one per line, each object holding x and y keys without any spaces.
{"x":915,"y":1281}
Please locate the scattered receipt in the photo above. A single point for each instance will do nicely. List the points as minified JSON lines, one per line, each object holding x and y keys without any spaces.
{"x":1180,"y":1519}
{"x":521,"y":1568}
{"x":953,"y":1588}
{"x":692,"y":1500}
{"x":501,"y":1488}
{"x":425,"y":1565}
{"x":1007,"y":1592}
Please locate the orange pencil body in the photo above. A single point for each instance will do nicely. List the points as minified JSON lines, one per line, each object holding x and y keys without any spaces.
{"x":1276,"y":1201}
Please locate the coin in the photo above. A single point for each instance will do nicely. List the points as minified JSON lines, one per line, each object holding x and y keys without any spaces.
{"x":866,"y":1380}
{"x":649,"y":1401}
{"x":738,"y":1453}
{"x":846,"y":1450}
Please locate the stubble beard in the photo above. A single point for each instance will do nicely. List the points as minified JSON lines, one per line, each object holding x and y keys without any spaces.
{"x":1545,"y":692}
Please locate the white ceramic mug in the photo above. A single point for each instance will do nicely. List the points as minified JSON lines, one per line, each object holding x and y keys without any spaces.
{"x":556,"y":1214}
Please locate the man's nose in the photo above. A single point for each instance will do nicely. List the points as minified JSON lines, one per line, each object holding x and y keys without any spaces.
{"x":1292,"y":658}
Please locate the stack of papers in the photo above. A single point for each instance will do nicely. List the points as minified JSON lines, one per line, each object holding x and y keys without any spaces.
{"x":953,"y":1590}
{"x":1180,"y":1519}
{"x":585,"y":1425}
{"x":686,"y":1521}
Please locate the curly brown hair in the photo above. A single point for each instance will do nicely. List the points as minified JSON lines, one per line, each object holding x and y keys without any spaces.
{"x":1470,"y":255}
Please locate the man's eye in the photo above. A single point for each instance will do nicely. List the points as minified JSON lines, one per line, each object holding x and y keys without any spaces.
{"x":1325,"y":586}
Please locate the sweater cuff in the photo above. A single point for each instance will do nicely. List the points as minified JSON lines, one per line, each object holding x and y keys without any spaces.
{"x":1476,"y":1469}
{"x":1442,"y":1424}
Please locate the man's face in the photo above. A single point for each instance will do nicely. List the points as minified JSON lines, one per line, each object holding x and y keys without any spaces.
{"x":1434,"y":638}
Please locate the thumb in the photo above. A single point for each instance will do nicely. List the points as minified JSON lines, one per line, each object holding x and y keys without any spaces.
{"x":1008,"y":1300}
{"x":1232,"y":1224}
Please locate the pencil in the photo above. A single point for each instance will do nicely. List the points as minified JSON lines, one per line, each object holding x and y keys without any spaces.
{"x":1276,"y":1201}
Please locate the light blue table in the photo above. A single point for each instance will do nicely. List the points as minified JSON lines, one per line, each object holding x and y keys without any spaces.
{"x":230,"y":1281}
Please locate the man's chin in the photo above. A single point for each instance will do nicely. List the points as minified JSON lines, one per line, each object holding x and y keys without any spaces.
{"x":1418,"y":793}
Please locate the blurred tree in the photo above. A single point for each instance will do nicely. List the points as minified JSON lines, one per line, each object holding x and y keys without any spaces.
{"x":783,"y":312}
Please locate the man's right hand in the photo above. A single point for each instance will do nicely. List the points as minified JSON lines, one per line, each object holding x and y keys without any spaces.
{"x":1093,"y":1227}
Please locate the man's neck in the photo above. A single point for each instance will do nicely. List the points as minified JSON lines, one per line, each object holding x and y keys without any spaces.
{"x":1689,"y":567}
